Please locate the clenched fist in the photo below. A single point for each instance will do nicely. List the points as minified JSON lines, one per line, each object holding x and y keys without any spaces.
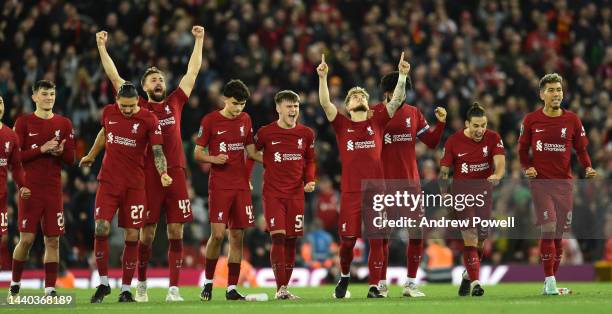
{"x":101,"y":38}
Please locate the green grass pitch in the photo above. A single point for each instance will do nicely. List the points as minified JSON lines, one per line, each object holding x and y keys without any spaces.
{"x":504,"y":298}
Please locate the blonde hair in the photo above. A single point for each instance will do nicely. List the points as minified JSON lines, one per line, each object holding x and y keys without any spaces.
{"x":356,"y":90}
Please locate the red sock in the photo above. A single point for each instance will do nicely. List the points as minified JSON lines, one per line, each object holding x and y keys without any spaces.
{"x":346,"y":254}
{"x":101,"y":251}
{"x":547,"y":252}
{"x":277,"y":259}
{"x":17,"y":270}
{"x":558,"y":254}
{"x":375,"y":260}
{"x":233,"y":273}
{"x":5,"y":256}
{"x":471,"y":262}
{"x":383,"y":271}
{"x":128,"y":265}
{"x":413,"y":256}
{"x":210,"y":266}
{"x":144,"y":255}
{"x":289,"y":258}
{"x":175,"y":260}
{"x":50,"y":274}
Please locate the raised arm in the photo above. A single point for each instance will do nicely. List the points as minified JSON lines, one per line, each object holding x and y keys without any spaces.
{"x":195,"y":62}
{"x":95,"y":149}
{"x":399,"y":94}
{"x":107,"y":62}
{"x":328,"y":107}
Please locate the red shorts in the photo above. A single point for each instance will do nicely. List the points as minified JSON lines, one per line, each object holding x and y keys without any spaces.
{"x":284,"y":214}
{"x":173,"y":200}
{"x":349,"y":222}
{"x":231,"y":207}
{"x":553,"y":201}
{"x":130,"y":202}
{"x":3,"y":216}
{"x":42,"y":208}
{"x":469,"y":212}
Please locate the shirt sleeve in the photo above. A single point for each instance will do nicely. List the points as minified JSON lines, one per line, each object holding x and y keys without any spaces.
{"x":447,"y":154}
{"x":260,"y":139}
{"x":204,"y":132}
{"x":177,"y":99}
{"x":580,"y":142}
{"x":68,"y":157}
{"x":154,"y":132}
{"x":309,"y":158}
{"x":498,"y":145}
{"x":16,"y":166}
{"x":525,"y":144}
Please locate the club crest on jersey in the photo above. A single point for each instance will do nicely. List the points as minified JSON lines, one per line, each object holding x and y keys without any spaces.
{"x":485,"y":151}
{"x":344,"y":227}
{"x":135,"y":128}
{"x":583,"y":133}
{"x":408,"y":124}
{"x":220,"y":217}
{"x":242,"y":130}
{"x":272,"y":222}
{"x":563,"y":132}
{"x":57,"y":134}
{"x":7,"y":147}
{"x":167,"y":108}
{"x":299,"y":142}
{"x":370,"y":131}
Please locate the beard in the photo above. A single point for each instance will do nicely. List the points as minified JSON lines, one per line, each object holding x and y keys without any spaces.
{"x":157,"y":97}
{"x":360,"y":107}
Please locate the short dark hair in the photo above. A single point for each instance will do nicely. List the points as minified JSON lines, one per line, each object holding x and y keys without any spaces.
{"x":127,"y":90}
{"x":388,"y":82}
{"x":149,"y":71}
{"x":236,"y":89}
{"x":550,"y":78}
{"x":287,"y":95}
{"x":476,"y":110}
{"x":42,"y":84}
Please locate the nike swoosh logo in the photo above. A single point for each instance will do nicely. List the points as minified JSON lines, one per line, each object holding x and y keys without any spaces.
{"x":350,"y":130}
{"x":274,"y":143}
{"x":538,"y":130}
{"x":32,"y":134}
{"x":461,"y":155}
{"x":112,"y":122}
{"x":220,"y":132}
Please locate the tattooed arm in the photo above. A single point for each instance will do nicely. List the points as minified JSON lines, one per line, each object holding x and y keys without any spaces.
{"x":399,"y":94}
{"x":161,"y":165}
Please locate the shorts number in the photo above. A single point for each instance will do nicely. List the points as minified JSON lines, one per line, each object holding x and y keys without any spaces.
{"x":185,"y":206}
{"x":568,"y":220}
{"x":4,"y":222}
{"x":299,"y":222}
{"x":60,"y":219}
{"x":136,"y":211}
{"x":249,"y":212}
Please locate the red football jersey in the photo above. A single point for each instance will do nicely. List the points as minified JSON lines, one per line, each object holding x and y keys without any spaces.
{"x":230,"y":137}
{"x":470,"y":159}
{"x":127,"y":141}
{"x":360,"y":146}
{"x":398,"y":152}
{"x":43,"y":170}
{"x":287,"y":153}
{"x":169,"y":115}
{"x":551,"y":140}
{"x":10,"y":156}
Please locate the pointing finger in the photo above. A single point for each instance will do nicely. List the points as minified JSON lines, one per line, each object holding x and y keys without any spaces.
{"x":402,"y":57}
{"x":322,"y":58}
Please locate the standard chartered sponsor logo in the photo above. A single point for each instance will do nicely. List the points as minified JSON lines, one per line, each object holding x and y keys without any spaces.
{"x":224,"y":148}
{"x":350,"y":145}
{"x":3,"y":162}
{"x":467,"y":168}
{"x":278,"y":157}
{"x":115,"y":139}
{"x":167,"y":121}
{"x":388,"y":138}
{"x":464,"y":168}
{"x":549,"y":147}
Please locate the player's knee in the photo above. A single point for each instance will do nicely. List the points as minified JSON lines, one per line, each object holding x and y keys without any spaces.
{"x":175,"y":231}
{"x":51,"y":243}
{"x":102,"y":228}
{"x":217,"y":237}
{"x":26,"y":240}
{"x":131,"y":234}
{"x":147,"y":234}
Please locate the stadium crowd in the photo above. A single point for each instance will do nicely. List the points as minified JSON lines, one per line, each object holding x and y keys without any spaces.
{"x":491,"y":51}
